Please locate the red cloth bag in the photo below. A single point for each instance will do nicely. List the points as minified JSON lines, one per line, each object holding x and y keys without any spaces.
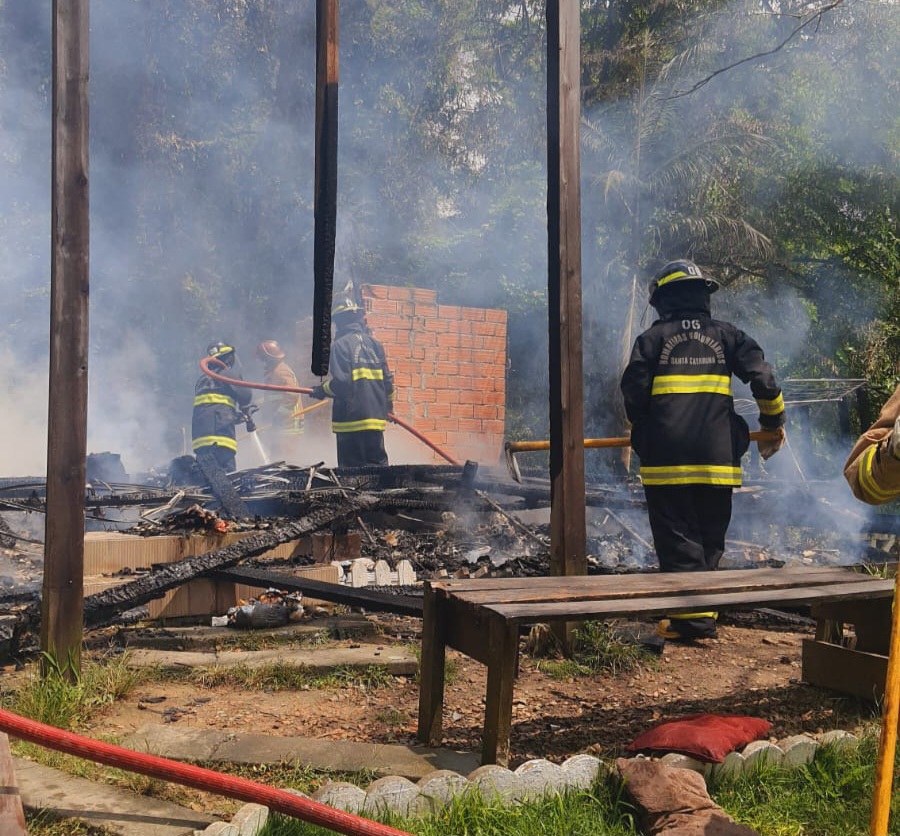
{"x":706,"y":737}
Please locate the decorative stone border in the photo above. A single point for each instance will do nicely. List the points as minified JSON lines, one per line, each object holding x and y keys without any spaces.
{"x":532,"y":779}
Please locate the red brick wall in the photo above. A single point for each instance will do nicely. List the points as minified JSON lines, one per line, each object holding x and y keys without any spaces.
{"x":449,"y":366}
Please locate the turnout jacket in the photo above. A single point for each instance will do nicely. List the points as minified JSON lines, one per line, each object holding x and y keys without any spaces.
{"x":871,"y":470}
{"x":282,"y":410}
{"x":677,"y":391}
{"x":217,"y":409}
{"x":360,"y":382}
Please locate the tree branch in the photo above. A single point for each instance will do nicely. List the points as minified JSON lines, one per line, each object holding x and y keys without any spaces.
{"x":784,"y":43}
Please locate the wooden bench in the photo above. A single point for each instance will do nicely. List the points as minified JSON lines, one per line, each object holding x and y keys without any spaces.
{"x":482,"y":619}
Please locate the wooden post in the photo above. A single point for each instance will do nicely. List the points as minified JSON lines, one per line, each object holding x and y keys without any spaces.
{"x":567,"y":515}
{"x":325,"y":211}
{"x":63,"y":589}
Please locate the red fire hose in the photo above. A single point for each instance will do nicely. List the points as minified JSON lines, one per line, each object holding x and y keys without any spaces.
{"x":192,"y":776}
{"x":302,"y":390}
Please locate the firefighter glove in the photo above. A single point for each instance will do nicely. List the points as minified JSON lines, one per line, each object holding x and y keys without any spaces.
{"x":318,"y":393}
{"x":894,"y":440}
{"x":768,"y":447}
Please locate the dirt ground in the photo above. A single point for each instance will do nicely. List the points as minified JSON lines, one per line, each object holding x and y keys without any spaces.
{"x":752,"y":668}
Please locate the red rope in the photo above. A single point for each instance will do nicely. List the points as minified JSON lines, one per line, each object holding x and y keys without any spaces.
{"x":189,"y":775}
{"x":273,"y":387}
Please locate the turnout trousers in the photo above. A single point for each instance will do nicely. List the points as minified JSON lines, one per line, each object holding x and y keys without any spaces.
{"x":689,"y":523}
{"x":361,"y":449}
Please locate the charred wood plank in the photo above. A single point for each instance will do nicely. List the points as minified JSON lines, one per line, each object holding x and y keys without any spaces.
{"x":221,"y":486}
{"x":337,"y":594}
{"x":102,"y":607}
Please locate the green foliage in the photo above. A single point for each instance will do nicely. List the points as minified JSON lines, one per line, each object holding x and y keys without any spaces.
{"x":598,"y":647}
{"x":59,"y":699}
{"x":280,"y":676}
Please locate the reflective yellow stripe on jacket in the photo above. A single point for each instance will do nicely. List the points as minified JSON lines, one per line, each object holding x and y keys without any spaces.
{"x":213,"y":397}
{"x":772,"y":407}
{"x":866,"y":476}
{"x":689,"y":384}
{"x":214,"y":440}
{"x":691,"y":474}
{"x":358,"y":426}
{"x":368,"y":374}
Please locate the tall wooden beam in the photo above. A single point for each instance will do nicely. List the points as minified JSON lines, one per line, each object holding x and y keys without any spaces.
{"x":325,"y":210}
{"x":567,"y":516}
{"x":63,"y":589}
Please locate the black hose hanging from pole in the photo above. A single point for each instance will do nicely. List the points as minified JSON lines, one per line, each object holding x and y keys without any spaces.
{"x":325,"y":233}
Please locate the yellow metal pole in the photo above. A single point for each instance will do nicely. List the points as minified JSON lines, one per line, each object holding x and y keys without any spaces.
{"x":592,"y":443}
{"x":887,"y":744}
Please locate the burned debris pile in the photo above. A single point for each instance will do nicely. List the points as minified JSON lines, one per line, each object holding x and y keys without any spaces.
{"x":446,"y":521}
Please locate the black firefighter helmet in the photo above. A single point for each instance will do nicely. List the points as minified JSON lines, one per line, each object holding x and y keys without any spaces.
{"x":221,"y":351}
{"x":680,"y":271}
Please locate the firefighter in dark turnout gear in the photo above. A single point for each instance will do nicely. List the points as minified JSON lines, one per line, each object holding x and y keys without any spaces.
{"x":690,"y":440}
{"x":362,"y":387}
{"x":217,"y":408}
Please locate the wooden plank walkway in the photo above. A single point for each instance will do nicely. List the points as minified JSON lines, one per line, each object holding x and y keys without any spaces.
{"x":482,"y":619}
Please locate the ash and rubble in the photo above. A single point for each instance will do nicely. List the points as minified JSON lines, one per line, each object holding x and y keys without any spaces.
{"x":448,"y":522}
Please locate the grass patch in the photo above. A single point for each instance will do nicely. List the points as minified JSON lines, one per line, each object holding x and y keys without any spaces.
{"x":831,"y":795}
{"x":250,"y":640}
{"x":599,"y":810}
{"x":44,"y":824}
{"x":278,"y":676}
{"x":58,"y":701}
{"x":598,"y":647}
{"x":293,"y":775}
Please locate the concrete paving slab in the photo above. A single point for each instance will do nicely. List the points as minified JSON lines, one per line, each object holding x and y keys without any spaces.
{"x":121,"y":811}
{"x":210,"y":745}
{"x":202,"y":637}
{"x":397,"y":660}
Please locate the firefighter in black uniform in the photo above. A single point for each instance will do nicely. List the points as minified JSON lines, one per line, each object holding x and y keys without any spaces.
{"x":690,"y":440}
{"x":362,"y":387}
{"x":217,"y":408}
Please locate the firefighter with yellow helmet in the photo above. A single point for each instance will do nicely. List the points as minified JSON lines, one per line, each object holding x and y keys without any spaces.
{"x":361,"y":385}
{"x":685,"y":430}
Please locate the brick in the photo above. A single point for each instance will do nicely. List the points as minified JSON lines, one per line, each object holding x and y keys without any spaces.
{"x":467,"y":369}
{"x":397,"y":292}
{"x":449,"y":312}
{"x":426,"y":311}
{"x":420,"y":294}
{"x":470,"y":425}
{"x":483,"y":357}
{"x":374,"y":291}
{"x":495,"y":315}
{"x":467,"y":342}
{"x":438,"y":410}
{"x":493,"y":398}
{"x":461,"y":326}
{"x":389,"y":320}
{"x":448,"y":340}
{"x":495,"y":343}
{"x":446,"y":396}
{"x":448,"y":368}
{"x":407,"y":366}
{"x":494,"y":428}
{"x":403,"y":380}
{"x":484,"y":384}
{"x":472,"y":314}
{"x":483,"y":329}
{"x":483,"y":412}
{"x":462,"y":410}
{"x":382,"y":306}
{"x":425,"y":338}
{"x":417,"y":352}
{"x":406,"y":309}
